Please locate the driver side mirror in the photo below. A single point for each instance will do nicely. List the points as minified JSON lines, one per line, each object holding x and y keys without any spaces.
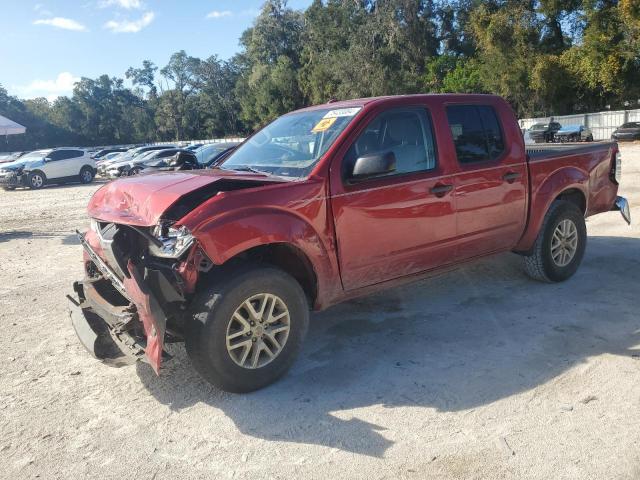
{"x":46,"y":159}
{"x":373,"y":165}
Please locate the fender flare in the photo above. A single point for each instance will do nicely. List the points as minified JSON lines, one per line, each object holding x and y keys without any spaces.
{"x":562,"y":180}
{"x":229,"y":235}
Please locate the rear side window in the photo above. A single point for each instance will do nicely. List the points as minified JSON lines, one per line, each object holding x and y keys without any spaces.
{"x":476,"y":132}
{"x":66,"y":154}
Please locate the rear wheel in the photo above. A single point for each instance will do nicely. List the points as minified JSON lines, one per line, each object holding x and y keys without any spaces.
{"x":590,"y":138}
{"x":560,"y":245}
{"x":134,"y":171}
{"x":37,"y":180}
{"x":247,"y":331}
{"x":86,"y":175}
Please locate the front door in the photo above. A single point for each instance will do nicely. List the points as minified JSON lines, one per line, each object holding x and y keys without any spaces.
{"x":400,"y":223}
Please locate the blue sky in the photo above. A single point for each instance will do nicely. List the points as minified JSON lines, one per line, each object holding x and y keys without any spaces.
{"x":48,"y":44}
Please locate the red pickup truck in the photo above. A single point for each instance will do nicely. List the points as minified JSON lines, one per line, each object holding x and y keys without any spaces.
{"x":325,"y":204}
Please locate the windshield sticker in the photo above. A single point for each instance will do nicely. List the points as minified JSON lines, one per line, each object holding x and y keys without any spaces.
{"x":342,"y":112}
{"x":324,"y":124}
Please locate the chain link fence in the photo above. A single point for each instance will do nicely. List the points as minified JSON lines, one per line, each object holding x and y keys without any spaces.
{"x":602,"y":124}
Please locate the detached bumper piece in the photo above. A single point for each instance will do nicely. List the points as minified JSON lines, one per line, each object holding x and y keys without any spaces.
{"x":622,"y":205}
{"x":102,"y":328}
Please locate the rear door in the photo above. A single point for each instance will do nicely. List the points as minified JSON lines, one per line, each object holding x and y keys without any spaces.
{"x":491,"y":194}
{"x":400,"y":223}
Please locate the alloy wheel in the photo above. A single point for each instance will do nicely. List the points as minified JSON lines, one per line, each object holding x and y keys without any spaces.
{"x":36,"y":180}
{"x":258,"y":331}
{"x":564,"y":243}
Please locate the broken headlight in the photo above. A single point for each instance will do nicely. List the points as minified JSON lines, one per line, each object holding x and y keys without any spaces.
{"x":172,"y":241}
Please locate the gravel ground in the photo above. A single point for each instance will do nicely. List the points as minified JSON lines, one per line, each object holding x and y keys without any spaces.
{"x":480,"y":373}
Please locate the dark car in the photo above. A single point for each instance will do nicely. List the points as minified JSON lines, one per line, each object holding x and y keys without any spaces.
{"x":182,"y":159}
{"x":101,"y":153}
{"x":544,"y":132}
{"x":210,"y":155}
{"x":627,"y":131}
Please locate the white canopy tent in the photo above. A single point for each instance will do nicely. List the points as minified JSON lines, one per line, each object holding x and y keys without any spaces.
{"x":9,"y":127}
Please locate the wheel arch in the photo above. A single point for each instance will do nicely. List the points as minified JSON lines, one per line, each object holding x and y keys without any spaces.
{"x":565,"y":184}
{"x":276,"y":238}
{"x":284,"y":256}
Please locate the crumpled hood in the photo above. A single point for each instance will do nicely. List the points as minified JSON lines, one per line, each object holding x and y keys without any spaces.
{"x":141,"y":200}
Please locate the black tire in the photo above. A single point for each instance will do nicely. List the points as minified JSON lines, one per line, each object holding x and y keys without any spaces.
{"x":212,"y":310}
{"x":540,"y":264}
{"x":590,"y":138}
{"x":87,"y":174}
{"x":134,"y":171}
{"x":37,"y":180}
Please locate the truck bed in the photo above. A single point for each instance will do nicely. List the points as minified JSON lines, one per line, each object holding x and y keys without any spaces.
{"x":536,"y":152}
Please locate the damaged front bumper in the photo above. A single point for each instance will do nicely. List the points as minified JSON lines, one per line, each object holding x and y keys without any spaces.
{"x":118,"y":320}
{"x":13,"y":179}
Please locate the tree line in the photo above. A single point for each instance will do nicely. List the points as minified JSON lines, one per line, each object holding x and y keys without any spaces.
{"x":546,"y":57}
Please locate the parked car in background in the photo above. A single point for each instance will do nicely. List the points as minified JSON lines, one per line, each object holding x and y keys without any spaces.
{"x":129,"y":155}
{"x":209,"y":155}
{"x":133,"y":166}
{"x":181,"y":160}
{"x":102,"y":153}
{"x":326,"y":204}
{"x":544,"y":132}
{"x":10,"y":157}
{"x":573,"y":133}
{"x":627,"y":131}
{"x":42,"y":167}
{"x":108,"y":156}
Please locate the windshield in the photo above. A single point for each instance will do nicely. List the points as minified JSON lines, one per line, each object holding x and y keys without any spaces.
{"x":630,"y":125}
{"x":292,"y":144}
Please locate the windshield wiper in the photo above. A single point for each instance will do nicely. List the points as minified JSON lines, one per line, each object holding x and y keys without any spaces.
{"x":246,"y":168}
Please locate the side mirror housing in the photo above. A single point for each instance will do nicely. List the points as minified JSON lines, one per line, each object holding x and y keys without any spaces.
{"x":374,"y":165}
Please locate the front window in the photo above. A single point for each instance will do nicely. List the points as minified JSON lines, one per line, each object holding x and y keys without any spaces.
{"x":291,"y":145}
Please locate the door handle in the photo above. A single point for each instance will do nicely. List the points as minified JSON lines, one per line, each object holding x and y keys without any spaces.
{"x":510,"y":177}
{"x":440,"y":189}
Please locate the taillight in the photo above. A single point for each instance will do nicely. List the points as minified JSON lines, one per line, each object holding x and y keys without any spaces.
{"x":617,"y":167}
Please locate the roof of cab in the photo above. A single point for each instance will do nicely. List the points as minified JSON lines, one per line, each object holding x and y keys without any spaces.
{"x":361,"y":102}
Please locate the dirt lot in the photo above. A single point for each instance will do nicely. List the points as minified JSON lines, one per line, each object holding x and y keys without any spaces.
{"x":481,"y":373}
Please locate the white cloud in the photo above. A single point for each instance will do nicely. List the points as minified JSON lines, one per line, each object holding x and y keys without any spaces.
{"x":127,"y":26}
{"x":128,"y":4}
{"x":51,"y":89}
{"x":60,"y":22}
{"x":219,"y":14}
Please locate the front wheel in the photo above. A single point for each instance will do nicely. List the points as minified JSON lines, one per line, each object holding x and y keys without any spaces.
{"x":560,"y":245}
{"x":247,"y":330}
{"x":36,"y":180}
